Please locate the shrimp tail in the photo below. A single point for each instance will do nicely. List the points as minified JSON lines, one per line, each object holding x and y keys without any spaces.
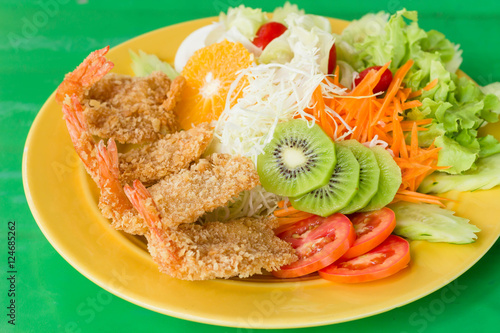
{"x":91,"y":70}
{"x":80,"y":137}
{"x":158,"y":241}
{"x":143,"y":202}
{"x":113,"y":201}
{"x":108,"y":163}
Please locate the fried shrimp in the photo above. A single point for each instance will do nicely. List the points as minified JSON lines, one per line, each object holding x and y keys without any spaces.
{"x":127,"y":109}
{"x":182,"y":186}
{"x":241,"y":247}
{"x":181,"y":197}
{"x":163,"y":157}
{"x":168,"y":155}
{"x":130,"y":109}
{"x":185,"y":196}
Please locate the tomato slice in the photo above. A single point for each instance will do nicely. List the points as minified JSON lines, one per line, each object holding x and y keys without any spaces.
{"x":267,"y":33}
{"x":382,"y":85}
{"x":372,"y":228}
{"x":318,"y":242}
{"x":386,"y":259}
{"x":332,"y":59}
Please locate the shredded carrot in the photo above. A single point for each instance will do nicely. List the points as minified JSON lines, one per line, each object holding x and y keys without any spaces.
{"x":431,"y":85}
{"x":415,"y":94}
{"x":410,"y":105}
{"x":336,"y":75}
{"x":425,"y":199}
{"x":285,"y":211}
{"x":283,"y":203}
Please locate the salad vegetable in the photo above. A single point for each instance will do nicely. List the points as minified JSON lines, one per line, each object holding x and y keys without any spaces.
{"x":267,"y":33}
{"x":382,"y":85}
{"x":245,"y":19}
{"x":385,"y":260}
{"x":486,"y":175}
{"x":431,"y":223}
{"x":281,"y":13}
{"x":144,"y":64}
{"x":372,"y":228}
{"x":457,"y":106}
{"x":384,"y":88}
{"x":318,"y":242}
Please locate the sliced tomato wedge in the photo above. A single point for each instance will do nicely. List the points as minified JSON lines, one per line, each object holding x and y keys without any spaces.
{"x":267,"y":33}
{"x":386,"y":259}
{"x":372,"y":228}
{"x":318,"y":242}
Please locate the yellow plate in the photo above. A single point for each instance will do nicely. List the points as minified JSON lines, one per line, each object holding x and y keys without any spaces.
{"x":63,"y":203}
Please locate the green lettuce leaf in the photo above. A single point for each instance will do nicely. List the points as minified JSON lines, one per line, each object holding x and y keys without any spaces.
{"x":489,"y":146}
{"x":457,"y":106}
{"x":247,"y":20}
{"x":459,"y":158}
{"x":281,"y":13}
{"x":144,"y":64}
{"x":427,"y":138}
{"x":306,"y":29}
{"x":378,"y":39}
{"x":278,"y":51}
{"x":484,"y":176}
{"x":370,"y":25}
{"x":492,"y":88}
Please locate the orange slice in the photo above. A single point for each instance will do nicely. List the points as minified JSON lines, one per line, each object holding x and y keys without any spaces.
{"x":209,"y":74}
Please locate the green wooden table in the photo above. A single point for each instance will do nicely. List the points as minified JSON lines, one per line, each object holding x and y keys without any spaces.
{"x":42,"y":40}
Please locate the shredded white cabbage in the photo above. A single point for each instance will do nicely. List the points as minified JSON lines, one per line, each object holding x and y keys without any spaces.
{"x":274,"y":93}
{"x":256,"y":202}
{"x":377,"y":142}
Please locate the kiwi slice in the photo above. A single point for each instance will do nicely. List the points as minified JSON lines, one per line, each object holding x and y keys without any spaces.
{"x":339,"y":191}
{"x":389,"y":182}
{"x":369,"y":174}
{"x":298,"y":159}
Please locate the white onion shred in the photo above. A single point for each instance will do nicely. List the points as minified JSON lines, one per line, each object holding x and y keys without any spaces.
{"x":376,"y":142}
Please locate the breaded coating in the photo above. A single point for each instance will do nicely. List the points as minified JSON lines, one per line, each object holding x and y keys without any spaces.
{"x":174,"y":94}
{"x":121,"y":219}
{"x":130,"y":109}
{"x":185,"y":196}
{"x":174,"y":152}
{"x":241,"y":247}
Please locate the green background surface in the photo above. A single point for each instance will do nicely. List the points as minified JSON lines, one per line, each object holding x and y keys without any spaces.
{"x":51,"y":296}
